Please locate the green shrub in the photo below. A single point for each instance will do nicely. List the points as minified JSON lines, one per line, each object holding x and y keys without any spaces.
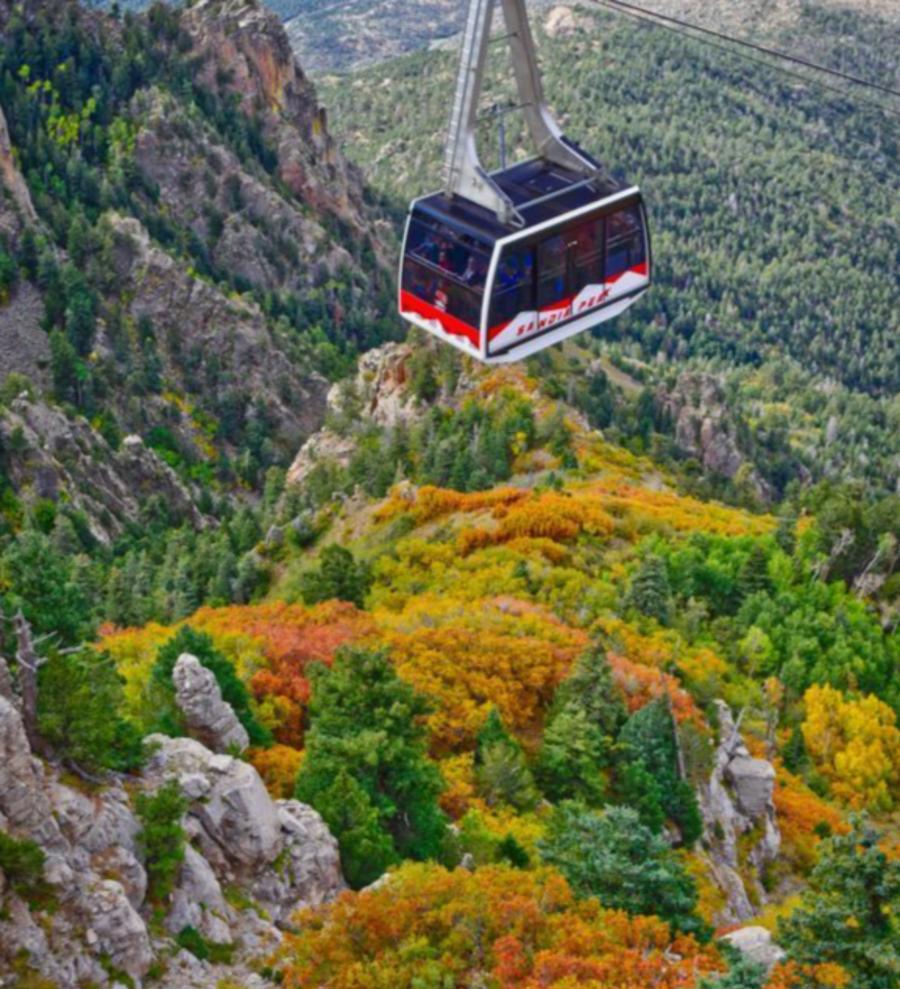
{"x":161,"y":838}
{"x":22,"y":862}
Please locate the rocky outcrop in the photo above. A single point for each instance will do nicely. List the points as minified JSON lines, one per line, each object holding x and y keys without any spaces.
{"x":51,"y":455}
{"x":378,"y":394}
{"x":741,"y":836}
{"x":207,"y":716}
{"x":756,"y":944}
{"x":247,"y":38}
{"x":226,"y":340}
{"x":705,"y":428}
{"x":241,"y":832}
{"x":249,"y":864}
{"x":228,"y":206}
{"x":15,"y":188}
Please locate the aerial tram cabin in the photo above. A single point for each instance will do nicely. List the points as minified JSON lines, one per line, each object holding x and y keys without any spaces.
{"x":502,"y":265}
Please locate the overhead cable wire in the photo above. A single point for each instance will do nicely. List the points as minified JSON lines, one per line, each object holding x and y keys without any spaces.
{"x":629,"y":10}
{"x":755,"y":46}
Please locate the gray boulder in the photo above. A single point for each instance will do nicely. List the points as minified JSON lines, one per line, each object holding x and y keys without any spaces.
{"x":309,"y":872}
{"x":753,"y":781}
{"x":23,"y":797}
{"x":115,"y":929}
{"x":756,"y":944}
{"x":737,"y":800}
{"x":209,"y":718}
{"x":198,"y":901}
{"x":239,"y":828}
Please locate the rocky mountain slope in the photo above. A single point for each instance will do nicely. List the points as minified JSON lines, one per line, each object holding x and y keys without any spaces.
{"x":91,"y":915}
{"x":188,"y":273}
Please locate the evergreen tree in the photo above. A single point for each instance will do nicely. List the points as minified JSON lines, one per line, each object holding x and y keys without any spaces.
{"x":568,"y":764}
{"x":161,"y":838}
{"x":638,"y":789}
{"x":850,"y":914}
{"x":754,"y":574}
{"x":649,"y":592}
{"x":80,"y":701}
{"x":366,"y":847}
{"x":366,"y":723}
{"x":339,"y":576}
{"x":41,"y":582}
{"x":648,"y":738}
{"x":591,"y":688}
{"x":503,"y":777}
{"x":615,"y":858}
{"x":501,"y":769}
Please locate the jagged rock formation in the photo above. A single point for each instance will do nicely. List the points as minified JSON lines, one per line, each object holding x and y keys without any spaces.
{"x":241,"y":832}
{"x":52,"y":455}
{"x":288,"y":218}
{"x":225,"y":340}
{"x":381,"y":392}
{"x":208,"y":718}
{"x":756,"y":944}
{"x":741,"y":835}
{"x":262,"y":72}
{"x":705,"y":429}
{"x":250,"y":863}
{"x":19,"y":209}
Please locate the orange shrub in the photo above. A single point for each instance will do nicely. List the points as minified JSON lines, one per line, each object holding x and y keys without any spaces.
{"x":278,"y":766}
{"x":799,"y":810}
{"x":643,"y":684}
{"x":549,"y":515}
{"x":429,"y":502}
{"x":497,"y":926}
{"x":470,"y":656}
{"x":790,"y":975}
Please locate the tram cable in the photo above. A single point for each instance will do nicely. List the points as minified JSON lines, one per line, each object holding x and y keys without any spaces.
{"x":684,"y":29}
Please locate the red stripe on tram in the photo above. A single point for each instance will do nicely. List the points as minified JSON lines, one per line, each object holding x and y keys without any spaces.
{"x":449,"y":324}
{"x":563,"y":304}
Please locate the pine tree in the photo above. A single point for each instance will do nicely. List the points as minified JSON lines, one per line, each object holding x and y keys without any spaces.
{"x":637,"y":788}
{"x":614,"y":857}
{"x":568,"y":764}
{"x":591,"y":688}
{"x":648,"y":737}
{"x":850,"y":914}
{"x":338,"y":576}
{"x":367,"y":723}
{"x":650,"y":593}
{"x":80,"y":700}
{"x":754,"y":574}
{"x":501,"y":769}
{"x":366,"y":848}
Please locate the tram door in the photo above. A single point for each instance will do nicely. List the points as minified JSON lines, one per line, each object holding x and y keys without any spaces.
{"x":569,"y":263}
{"x":579,"y":268}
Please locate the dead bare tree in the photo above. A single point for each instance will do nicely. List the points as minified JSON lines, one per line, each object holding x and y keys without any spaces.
{"x":29,"y":663}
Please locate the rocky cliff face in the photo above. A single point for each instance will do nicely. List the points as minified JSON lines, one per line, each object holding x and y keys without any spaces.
{"x":55,"y":456}
{"x":240,"y":228}
{"x":381,"y":391}
{"x":741,"y":833}
{"x":250,"y":862}
{"x":705,"y":428}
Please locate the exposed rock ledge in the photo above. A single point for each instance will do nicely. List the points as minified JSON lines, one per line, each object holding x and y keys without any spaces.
{"x":740,"y":834}
{"x":250,"y":863}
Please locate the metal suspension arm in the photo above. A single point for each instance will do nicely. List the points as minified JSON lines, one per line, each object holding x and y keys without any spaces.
{"x":463,"y":173}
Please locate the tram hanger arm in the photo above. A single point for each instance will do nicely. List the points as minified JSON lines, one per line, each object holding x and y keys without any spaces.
{"x":464,"y":174}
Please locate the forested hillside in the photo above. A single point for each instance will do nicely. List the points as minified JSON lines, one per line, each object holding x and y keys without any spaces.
{"x":330,"y":659}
